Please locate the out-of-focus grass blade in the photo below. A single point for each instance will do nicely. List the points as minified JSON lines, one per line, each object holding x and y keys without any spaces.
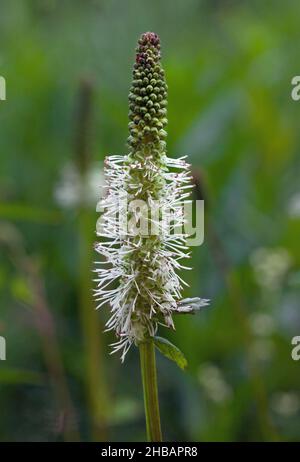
{"x":12,"y":376}
{"x":14,"y":211}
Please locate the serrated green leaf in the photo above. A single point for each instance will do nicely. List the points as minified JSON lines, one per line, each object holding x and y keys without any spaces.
{"x":170,"y":351}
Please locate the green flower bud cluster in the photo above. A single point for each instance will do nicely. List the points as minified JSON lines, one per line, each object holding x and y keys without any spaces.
{"x":148,"y":99}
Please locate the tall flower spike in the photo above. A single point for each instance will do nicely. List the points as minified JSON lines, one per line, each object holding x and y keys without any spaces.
{"x":144,"y":266}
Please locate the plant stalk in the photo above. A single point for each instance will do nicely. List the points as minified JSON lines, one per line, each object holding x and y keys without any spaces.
{"x":95,"y":382}
{"x":149,"y":378}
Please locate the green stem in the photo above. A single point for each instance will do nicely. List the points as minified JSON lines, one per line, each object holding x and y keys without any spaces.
{"x":95,"y":382}
{"x":149,"y":378}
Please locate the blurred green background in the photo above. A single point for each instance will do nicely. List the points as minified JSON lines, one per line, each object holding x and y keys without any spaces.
{"x":229,"y":66}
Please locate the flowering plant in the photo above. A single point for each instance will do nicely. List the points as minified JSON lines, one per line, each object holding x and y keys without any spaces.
{"x":141,"y":228}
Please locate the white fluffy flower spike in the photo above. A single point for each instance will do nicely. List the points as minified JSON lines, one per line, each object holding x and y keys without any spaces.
{"x":142,"y":213}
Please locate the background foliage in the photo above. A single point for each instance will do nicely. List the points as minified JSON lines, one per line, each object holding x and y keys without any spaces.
{"x":229,"y":66}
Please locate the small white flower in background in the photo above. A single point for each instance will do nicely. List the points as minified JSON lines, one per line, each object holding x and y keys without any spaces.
{"x":71,"y":191}
{"x":270,"y":266}
{"x":263,"y":349}
{"x":142,"y":267}
{"x":214,"y":384}
{"x":286,"y":404}
{"x":262,"y":324}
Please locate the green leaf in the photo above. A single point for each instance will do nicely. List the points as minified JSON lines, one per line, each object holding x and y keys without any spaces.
{"x":14,"y":376}
{"x":170,"y":351}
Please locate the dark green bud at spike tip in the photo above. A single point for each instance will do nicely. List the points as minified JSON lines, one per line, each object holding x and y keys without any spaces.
{"x":148,"y":98}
